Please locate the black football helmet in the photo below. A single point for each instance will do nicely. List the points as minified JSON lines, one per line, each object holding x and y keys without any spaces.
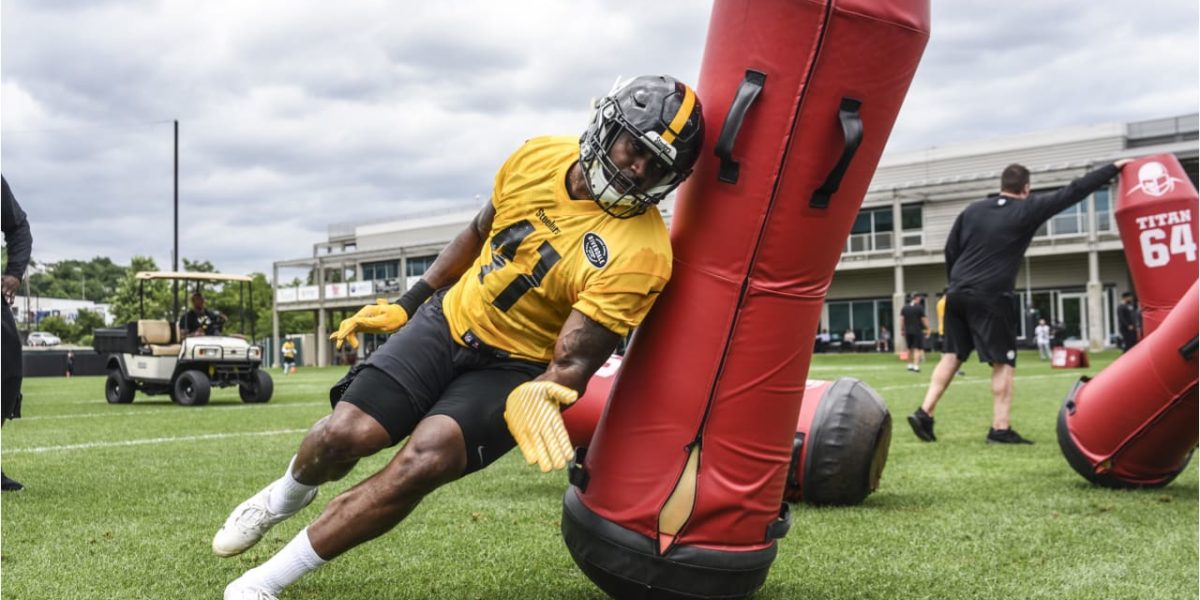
{"x":664,"y":117}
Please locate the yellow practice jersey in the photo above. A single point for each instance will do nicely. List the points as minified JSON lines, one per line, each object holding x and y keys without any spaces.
{"x":548,"y":254}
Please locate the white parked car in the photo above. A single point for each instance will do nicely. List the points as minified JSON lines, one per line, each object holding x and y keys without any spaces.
{"x":43,"y":338}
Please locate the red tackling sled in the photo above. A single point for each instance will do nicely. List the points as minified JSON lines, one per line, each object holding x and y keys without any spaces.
{"x":680,"y":494}
{"x":839,"y":450}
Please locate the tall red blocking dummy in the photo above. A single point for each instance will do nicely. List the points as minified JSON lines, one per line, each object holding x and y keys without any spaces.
{"x":1157,"y":216}
{"x":1134,"y":425}
{"x":680,"y":493}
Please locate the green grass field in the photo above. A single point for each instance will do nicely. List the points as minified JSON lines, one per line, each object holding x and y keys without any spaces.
{"x":122,"y":501}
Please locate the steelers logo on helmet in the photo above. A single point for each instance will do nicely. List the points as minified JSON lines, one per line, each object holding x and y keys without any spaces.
{"x":661,"y":118}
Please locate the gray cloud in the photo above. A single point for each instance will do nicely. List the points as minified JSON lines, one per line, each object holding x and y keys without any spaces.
{"x":297,"y":115}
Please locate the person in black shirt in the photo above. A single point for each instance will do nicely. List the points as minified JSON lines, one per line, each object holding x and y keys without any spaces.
{"x":19,"y":241}
{"x":200,"y":320}
{"x":983,"y":253}
{"x":1127,"y":321}
{"x":915,"y":325}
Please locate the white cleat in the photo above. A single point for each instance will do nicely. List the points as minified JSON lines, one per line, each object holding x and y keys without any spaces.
{"x":242,"y":591}
{"x":248,"y":523}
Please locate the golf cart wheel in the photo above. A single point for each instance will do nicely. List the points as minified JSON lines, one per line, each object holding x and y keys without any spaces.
{"x":191,"y":389}
{"x":258,"y":389}
{"x":118,"y":389}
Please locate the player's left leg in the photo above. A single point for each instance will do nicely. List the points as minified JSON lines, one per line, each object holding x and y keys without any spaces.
{"x":1002,"y":392}
{"x":998,"y":347}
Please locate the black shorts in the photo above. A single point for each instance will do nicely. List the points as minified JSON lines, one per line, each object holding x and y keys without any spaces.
{"x":914,"y":341}
{"x":421,"y":371}
{"x":10,"y":340}
{"x":986,"y":323}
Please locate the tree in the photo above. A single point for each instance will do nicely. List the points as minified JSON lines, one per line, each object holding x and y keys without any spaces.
{"x":94,"y":280}
{"x":58,"y":326}
{"x":125,"y":300}
{"x":86,"y":322}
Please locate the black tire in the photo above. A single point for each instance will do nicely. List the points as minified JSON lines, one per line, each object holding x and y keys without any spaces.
{"x":259,"y":389}
{"x":118,"y":389}
{"x":191,"y":388}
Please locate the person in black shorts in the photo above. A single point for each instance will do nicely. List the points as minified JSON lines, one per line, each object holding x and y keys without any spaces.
{"x":915,"y":325}
{"x":533,"y":296}
{"x":983,"y":253}
{"x":19,"y":243}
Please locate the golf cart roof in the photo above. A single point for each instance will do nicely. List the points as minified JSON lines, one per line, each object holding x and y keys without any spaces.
{"x":191,"y":276}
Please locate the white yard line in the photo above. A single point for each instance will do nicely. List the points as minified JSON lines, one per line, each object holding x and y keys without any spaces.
{"x":171,"y":410}
{"x":980,"y":379}
{"x":853,"y":368}
{"x":149,"y":441}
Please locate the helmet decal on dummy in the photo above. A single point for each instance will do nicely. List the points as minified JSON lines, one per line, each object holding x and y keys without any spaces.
{"x":662,"y":117}
{"x":1154,"y":179}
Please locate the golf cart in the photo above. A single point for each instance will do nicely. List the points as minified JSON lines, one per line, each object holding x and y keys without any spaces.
{"x":154,"y":356}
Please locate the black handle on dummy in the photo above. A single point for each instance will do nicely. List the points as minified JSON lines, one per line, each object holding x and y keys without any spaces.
{"x":1189,"y":349}
{"x":852,"y":134}
{"x":746,"y":93}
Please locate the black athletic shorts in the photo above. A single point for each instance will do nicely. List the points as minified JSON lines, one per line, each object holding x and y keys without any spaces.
{"x":986,"y":323}
{"x":421,"y":371}
{"x":915,"y":341}
{"x":10,"y":339}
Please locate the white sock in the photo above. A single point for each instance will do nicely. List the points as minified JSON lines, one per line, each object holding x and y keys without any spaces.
{"x":286,"y":567}
{"x":288,"y":495}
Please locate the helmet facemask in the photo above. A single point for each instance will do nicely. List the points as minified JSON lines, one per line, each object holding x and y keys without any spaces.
{"x":613,"y":190}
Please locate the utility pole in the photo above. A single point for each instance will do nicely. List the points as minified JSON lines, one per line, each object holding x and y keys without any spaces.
{"x":175,"y":250}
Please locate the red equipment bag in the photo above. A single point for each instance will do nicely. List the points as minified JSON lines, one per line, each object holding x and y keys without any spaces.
{"x":1134,"y":425}
{"x":839,"y":450}
{"x":1068,"y":358}
{"x":680,"y":494}
{"x":1156,"y":214}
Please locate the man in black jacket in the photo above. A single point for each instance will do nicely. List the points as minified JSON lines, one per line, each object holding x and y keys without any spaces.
{"x":1127,"y":321}
{"x":19,"y":242}
{"x":983,"y":253}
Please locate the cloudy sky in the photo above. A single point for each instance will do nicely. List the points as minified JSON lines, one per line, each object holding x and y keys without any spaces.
{"x":296,"y":115}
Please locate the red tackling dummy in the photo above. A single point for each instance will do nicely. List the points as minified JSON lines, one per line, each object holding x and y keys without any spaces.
{"x":680,"y":494}
{"x":1156,"y":213}
{"x":1134,"y":425}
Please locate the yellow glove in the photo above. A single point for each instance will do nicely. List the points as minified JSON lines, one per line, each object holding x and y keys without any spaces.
{"x":380,"y":317}
{"x":535,"y":421}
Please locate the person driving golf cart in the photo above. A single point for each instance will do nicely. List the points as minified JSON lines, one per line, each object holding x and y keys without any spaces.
{"x":200,"y":320}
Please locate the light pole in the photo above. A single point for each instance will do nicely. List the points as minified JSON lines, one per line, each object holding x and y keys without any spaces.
{"x":81,"y":288}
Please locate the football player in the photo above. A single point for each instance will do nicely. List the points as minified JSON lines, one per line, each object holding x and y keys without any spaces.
{"x":503,"y":330}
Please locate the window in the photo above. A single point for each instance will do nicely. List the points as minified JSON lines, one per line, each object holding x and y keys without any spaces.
{"x":387,"y":269}
{"x":417,"y":265}
{"x":1073,"y":220}
{"x":865,"y":317}
{"x":1068,"y":222}
{"x":873,"y":229}
{"x":912,"y":225}
{"x":1104,"y":210}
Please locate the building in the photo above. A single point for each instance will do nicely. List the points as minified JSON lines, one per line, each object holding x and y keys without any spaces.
{"x":30,"y":310}
{"x":1074,"y":270}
